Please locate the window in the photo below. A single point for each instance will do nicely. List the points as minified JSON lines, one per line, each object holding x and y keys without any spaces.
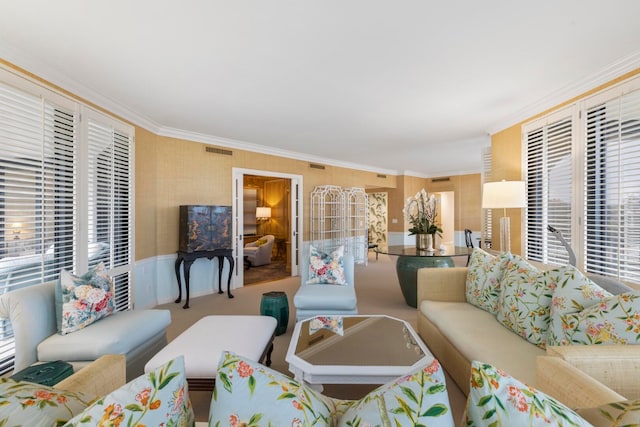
{"x":583,"y":178}
{"x":66,"y":192}
{"x":487,"y":215}
{"x":549,"y":173}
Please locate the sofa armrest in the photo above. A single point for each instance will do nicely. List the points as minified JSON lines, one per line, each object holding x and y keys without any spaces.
{"x":616,"y":366}
{"x":442,"y":284}
{"x":100,"y":377}
{"x":571,"y":386}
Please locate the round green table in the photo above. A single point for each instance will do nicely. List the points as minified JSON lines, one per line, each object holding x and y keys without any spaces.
{"x":410,"y":260}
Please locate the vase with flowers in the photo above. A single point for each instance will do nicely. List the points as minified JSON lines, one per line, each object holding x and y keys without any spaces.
{"x":421,"y":211}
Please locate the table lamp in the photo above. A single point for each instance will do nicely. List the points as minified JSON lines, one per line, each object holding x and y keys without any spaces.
{"x":263,"y":213}
{"x":503,"y":195}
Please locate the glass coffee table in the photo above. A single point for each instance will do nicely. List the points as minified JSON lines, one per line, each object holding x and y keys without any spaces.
{"x":354,"y":350}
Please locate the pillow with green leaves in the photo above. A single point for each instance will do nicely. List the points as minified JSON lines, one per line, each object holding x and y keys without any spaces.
{"x":158,"y":398}
{"x":497,"y":399}
{"x":484,"y":273}
{"x":28,"y":404}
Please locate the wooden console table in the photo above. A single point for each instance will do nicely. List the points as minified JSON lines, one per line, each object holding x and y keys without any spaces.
{"x":189,"y":257}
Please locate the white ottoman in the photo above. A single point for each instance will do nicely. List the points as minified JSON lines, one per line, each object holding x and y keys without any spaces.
{"x":203,"y":343}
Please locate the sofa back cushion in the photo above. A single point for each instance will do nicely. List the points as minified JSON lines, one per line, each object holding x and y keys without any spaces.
{"x":484,"y":273}
{"x":525,"y":301}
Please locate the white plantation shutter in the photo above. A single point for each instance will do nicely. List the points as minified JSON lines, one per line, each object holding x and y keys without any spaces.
{"x":612,"y":184}
{"x":61,"y":207}
{"x":110,"y":192}
{"x":487,"y":214}
{"x":549,"y":177}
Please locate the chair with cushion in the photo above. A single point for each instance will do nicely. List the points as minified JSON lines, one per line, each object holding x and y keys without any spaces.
{"x":327,"y":285}
{"x":259,"y":252}
{"x":48,"y":327}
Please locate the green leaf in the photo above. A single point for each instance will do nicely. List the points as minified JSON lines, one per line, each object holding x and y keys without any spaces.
{"x":134,"y":407}
{"x":436,"y":410}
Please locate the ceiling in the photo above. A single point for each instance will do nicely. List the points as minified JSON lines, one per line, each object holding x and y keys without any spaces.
{"x":395,"y":86}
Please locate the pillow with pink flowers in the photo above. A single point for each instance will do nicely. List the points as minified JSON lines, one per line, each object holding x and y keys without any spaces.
{"x":484,"y":272}
{"x":82,"y":300}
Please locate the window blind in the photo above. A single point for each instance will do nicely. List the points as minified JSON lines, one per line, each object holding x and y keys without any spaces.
{"x":66,"y":193}
{"x":612,"y":187}
{"x":549,"y":177}
{"x":487,"y":215}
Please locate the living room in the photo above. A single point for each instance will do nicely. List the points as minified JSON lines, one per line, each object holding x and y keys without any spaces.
{"x":177,"y":166}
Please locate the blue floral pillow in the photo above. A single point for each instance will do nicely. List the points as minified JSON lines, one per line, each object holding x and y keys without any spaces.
{"x":418,"y":399}
{"x":497,"y":399}
{"x":159,"y":398}
{"x":525,"y":301}
{"x":248,"y":393}
{"x":326,"y":268}
{"x":82,"y":300}
{"x":484,"y":273}
{"x":573,"y":293}
{"x":29,"y":404}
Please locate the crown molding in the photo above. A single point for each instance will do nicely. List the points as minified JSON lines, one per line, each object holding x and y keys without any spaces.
{"x":263,"y":149}
{"x":607,"y":74}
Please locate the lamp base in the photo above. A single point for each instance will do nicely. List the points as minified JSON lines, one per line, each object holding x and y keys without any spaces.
{"x":505,"y":234}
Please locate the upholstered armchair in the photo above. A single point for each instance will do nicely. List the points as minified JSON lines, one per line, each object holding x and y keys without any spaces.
{"x":314,"y":299}
{"x":259,"y":252}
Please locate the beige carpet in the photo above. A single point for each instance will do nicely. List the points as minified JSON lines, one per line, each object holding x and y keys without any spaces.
{"x":378,"y":293}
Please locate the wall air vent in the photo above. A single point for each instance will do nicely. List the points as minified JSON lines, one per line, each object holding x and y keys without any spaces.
{"x":381,"y":175}
{"x":316,"y":166}
{"x":216,"y":150}
{"x":443,"y":179}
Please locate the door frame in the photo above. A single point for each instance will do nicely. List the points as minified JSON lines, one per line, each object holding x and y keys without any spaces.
{"x":296,"y":218}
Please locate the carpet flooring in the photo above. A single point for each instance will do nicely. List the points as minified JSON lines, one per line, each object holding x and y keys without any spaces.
{"x":377,"y":290}
{"x":276,"y":270}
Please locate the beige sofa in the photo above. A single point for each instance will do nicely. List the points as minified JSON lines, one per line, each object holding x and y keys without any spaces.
{"x":458,"y":333}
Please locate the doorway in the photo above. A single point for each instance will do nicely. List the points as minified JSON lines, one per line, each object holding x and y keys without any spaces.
{"x":282,"y":195}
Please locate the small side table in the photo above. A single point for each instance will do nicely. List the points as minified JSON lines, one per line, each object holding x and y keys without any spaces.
{"x":275,"y":304}
{"x":189,"y":257}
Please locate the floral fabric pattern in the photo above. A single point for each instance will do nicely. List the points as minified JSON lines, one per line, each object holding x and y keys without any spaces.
{"x":483,"y":279}
{"x":497,"y":399}
{"x":613,"y":320}
{"x":250,"y":394}
{"x":82,"y":300}
{"x":326,"y":268}
{"x":418,"y":399}
{"x":159,"y":398}
{"x":34,"y":405}
{"x":626,"y":413}
{"x":525,"y":301}
{"x":334,"y":324}
{"x":573,"y":293}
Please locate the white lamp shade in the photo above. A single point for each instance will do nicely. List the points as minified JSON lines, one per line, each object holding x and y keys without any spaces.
{"x":263,"y":213}
{"x":504,"y":194}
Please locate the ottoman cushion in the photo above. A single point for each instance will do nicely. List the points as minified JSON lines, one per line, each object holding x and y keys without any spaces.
{"x":203,"y":342}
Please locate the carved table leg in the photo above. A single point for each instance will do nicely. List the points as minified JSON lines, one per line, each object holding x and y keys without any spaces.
{"x":177,"y":268}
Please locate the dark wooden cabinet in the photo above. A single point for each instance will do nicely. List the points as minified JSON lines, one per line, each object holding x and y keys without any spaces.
{"x":204,"y":228}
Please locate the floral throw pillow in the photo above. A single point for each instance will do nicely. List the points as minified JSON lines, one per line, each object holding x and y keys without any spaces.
{"x":248,"y":393}
{"x":159,"y":398}
{"x":613,"y":320}
{"x":82,"y":300}
{"x":34,"y":405}
{"x":326,"y":268}
{"x":417,"y":399}
{"x":525,"y":301}
{"x":573,"y":293}
{"x":497,"y":399}
{"x":626,"y":413}
{"x":483,"y":279}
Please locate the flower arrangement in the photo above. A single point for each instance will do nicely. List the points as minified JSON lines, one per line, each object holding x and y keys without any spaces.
{"x":421,"y":211}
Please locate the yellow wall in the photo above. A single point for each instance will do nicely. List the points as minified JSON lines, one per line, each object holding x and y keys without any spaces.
{"x":507,"y":161}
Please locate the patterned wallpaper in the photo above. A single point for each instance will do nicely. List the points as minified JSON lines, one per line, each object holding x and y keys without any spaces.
{"x":378,"y":203}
